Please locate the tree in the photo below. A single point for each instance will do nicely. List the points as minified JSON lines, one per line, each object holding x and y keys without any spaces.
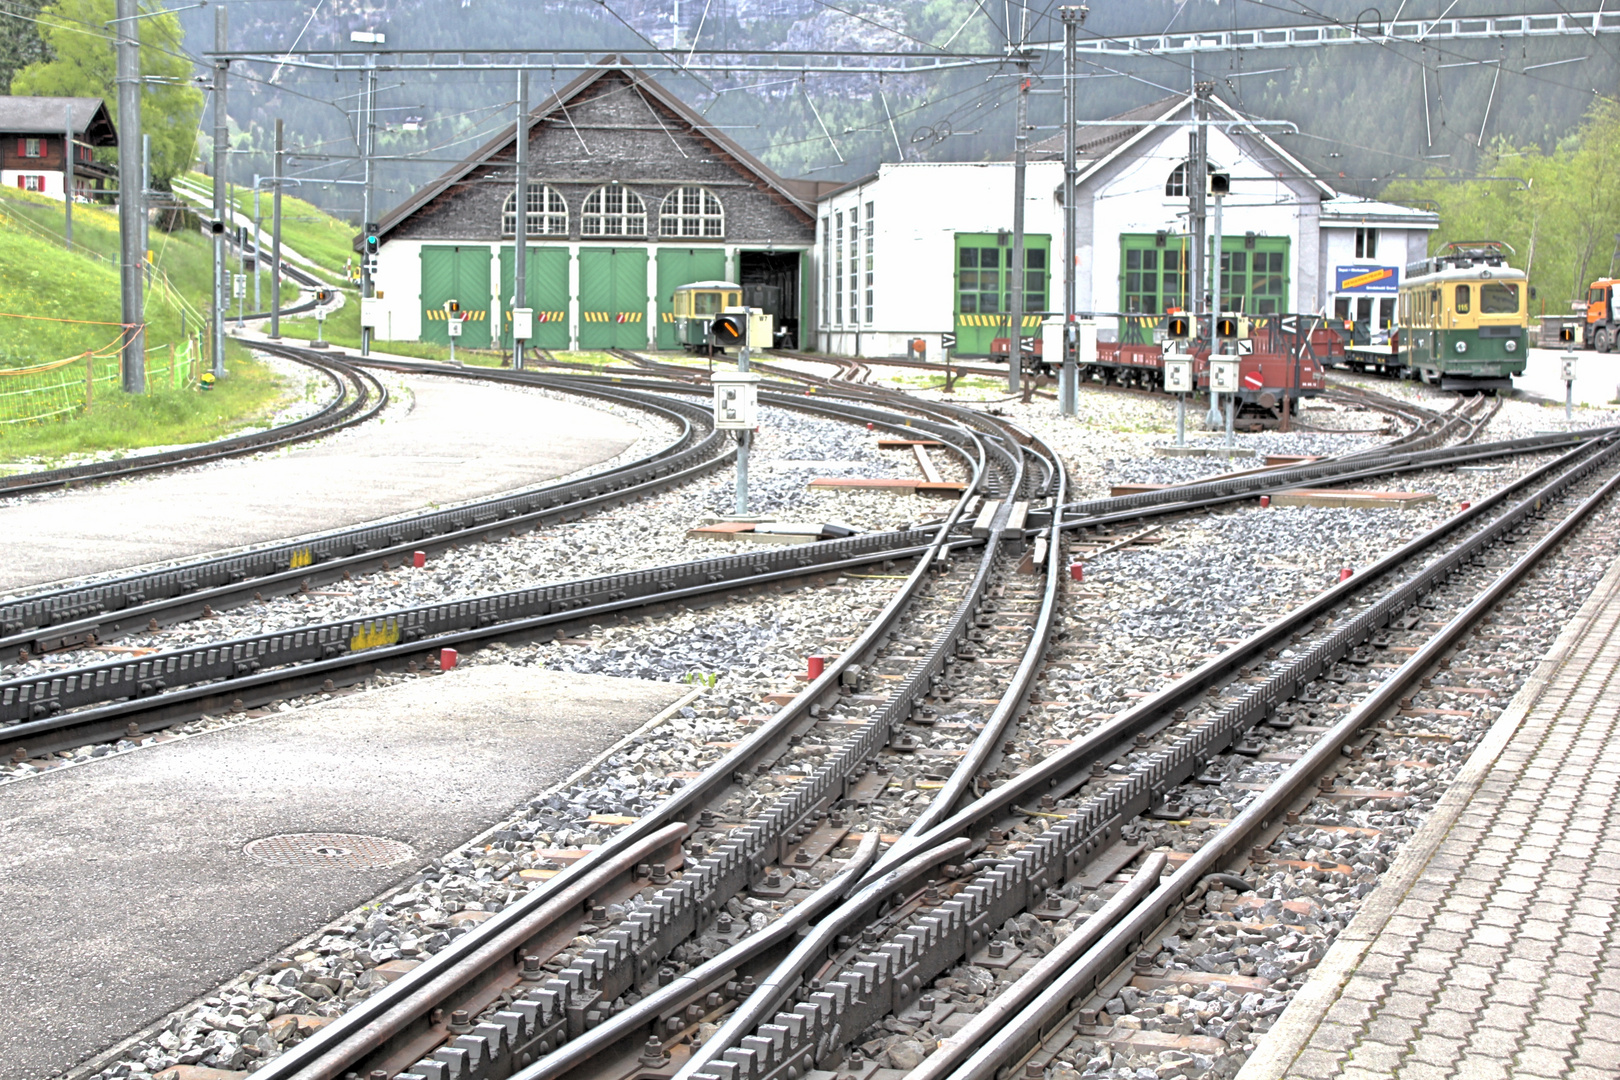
{"x":20,"y":43}
{"x":83,"y":65}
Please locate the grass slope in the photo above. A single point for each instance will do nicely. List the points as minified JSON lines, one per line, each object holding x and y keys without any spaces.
{"x":40,"y":277}
{"x":305,"y":227}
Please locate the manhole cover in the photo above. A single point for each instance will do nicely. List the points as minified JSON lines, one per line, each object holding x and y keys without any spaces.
{"x":346,"y":850}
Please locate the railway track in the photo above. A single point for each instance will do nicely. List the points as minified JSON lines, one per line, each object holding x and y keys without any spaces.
{"x":358,"y":397}
{"x":551,"y":988}
{"x":527,"y":986}
{"x":1041,"y":836}
{"x":826,"y":873}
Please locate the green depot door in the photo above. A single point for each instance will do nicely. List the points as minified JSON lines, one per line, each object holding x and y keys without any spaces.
{"x":459,"y":273}
{"x":546,"y":281}
{"x":677,"y":267}
{"x":982,"y":279}
{"x":613,"y":298}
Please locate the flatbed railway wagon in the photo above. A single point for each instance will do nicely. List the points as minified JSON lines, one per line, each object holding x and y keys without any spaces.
{"x":1463,"y":319}
{"x":1281,"y":356}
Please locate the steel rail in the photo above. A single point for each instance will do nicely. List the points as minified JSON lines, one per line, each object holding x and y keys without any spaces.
{"x":345,"y":410}
{"x":62,"y":617}
{"x":1008,"y":1006}
{"x":743,"y":856}
{"x":892,"y":976}
{"x":901,"y":703}
{"x":1088,"y":972}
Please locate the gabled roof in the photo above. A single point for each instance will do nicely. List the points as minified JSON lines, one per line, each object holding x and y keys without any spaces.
{"x":48,"y":116}
{"x":1097,"y":145}
{"x":1354,"y":210}
{"x":500,"y":147}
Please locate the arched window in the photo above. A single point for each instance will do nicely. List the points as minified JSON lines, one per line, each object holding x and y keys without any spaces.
{"x":1176,"y":186}
{"x":614,"y":210}
{"x":548,"y":213}
{"x":692,"y":212}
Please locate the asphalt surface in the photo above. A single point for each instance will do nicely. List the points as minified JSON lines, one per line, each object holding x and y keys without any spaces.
{"x":1597,"y":377}
{"x":458,"y":441}
{"x":124,"y":892}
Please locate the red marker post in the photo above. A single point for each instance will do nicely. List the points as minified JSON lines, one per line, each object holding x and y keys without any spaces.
{"x":447,"y":659}
{"x":815,"y":666}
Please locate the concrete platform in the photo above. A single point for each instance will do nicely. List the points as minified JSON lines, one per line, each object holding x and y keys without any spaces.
{"x":124,"y":890}
{"x":1491,"y":948}
{"x":459,"y":441}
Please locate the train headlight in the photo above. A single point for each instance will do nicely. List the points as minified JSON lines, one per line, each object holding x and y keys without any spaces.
{"x":1462,"y":346}
{"x":1510,"y":345}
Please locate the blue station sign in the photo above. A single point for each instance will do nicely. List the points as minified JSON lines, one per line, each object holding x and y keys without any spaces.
{"x":1367,"y":279}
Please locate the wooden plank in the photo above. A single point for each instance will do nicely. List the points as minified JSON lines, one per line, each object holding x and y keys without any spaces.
{"x":901,"y":444}
{"x":1116,"y":490}
{"x":926,"y":464}
{"x":1355,"y":500}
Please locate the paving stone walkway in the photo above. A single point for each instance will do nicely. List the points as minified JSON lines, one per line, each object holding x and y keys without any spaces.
{"x":1492,"y":949}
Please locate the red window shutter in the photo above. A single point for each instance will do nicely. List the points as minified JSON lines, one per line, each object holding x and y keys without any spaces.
{"x":22,"y":147}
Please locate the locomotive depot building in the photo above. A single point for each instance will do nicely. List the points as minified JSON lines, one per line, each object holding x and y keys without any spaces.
{"x":633,"y":194}
{"x":924,"y":250}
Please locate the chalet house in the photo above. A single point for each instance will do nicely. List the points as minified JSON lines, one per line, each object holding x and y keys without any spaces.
{"x":33,"y":134}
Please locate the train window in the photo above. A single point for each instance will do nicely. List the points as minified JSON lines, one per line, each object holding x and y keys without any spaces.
{"x":682,"y":305}
{"x":705,"y":303}
{"x":614,"y":210}
{"x":1498,"y":298}
{"x":1465,"y":302}
{"x":692,"y":212}
{"x":733,"y":299}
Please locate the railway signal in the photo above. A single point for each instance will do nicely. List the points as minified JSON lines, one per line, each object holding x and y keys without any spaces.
{"x":729,"y":329}
{"x":1178,"y":379}
{"x":373,"y":241}
{"x":452,"y":324}
{"x":1178,"y":327}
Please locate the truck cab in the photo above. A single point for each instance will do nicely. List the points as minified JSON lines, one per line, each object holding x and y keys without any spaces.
{"x":1602,"y":320}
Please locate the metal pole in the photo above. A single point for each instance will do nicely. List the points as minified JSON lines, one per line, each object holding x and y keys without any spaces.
{"x":1215,"y":307}
{"x":1197,"y":169}
{"x":520,"y":251}
{"x":1068,"y":392}
{"x":1231,"y":413}
{"x":275,"y":238}
{"x":241,"y":272}
{"x":367,"y":137}
{"x":744,"y":438}
{"x":131,"y":202}
{"x":146,"y":194}
{"x":1569,"y":386}
{"x":258,"y":216}
{"x":1181,"y":419}
{"x":222,"y":153}
{"x":1015,"y":272}
{"x":68,"y":150}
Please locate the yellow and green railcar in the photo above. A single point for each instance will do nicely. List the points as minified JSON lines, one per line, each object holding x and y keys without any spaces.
{"x":1463,"y":319}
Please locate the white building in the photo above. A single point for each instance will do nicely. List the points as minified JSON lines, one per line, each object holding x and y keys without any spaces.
{"x":923,"y":250}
